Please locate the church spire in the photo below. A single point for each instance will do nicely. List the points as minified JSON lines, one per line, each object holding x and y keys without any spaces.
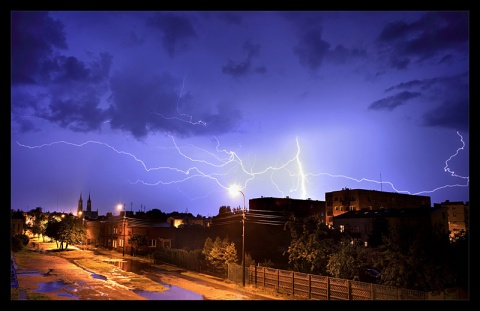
{"x":80,"y":205}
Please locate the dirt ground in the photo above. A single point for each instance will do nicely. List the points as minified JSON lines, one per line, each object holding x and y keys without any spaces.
{"x":42,"y":263}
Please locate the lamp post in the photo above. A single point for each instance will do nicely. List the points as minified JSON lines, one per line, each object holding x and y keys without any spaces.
{"x":234,"y":188}
{"x":119,"y":206}
{"x":243,"y":239}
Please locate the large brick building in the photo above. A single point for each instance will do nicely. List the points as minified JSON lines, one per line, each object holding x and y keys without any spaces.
{"x":341,"y":201}
{"x":458,"y":218}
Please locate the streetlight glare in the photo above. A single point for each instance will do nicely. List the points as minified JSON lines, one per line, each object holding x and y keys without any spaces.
{"x":234,"y":190}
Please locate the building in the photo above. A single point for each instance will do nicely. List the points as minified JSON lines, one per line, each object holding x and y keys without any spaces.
{"x":370,"y":225}
{"x":186,"y":221}
{"x":115,"y":232}
{"x":265,"y":208}
{"x":458,"y":216}
{"x":87,"y":214}
{"x":339,"y":202}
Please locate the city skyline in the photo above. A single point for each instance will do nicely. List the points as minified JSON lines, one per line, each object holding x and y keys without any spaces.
{"x":168,"y":109}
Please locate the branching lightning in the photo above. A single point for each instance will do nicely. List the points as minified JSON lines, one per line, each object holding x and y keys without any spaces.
{"x":183,"y":116}
{"x":226,"y":166}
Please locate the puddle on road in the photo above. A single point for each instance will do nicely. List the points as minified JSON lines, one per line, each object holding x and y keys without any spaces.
{"x":50,"y":287}
{"x":172,"y":293}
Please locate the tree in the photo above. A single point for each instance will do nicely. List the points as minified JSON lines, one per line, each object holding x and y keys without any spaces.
{"x":416,"y":259}
{"x":219,"y":253}
{"x":39,"y":225}
{"x":312,"y":243}
{"x":350,"y":261}
{"x":69,"y":230}
{"x":137,"y":240}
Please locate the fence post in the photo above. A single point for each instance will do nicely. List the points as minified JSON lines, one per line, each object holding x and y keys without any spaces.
{"x":349,"y":290}
{"x":328,"y":288}
{"x":264,"y":277}
{"x":278,"y":280}
{"x":309,"y":286}
{"x":293,"y":284}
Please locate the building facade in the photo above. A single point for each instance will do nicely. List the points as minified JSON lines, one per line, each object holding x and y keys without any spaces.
{"x":370,"y":225}
{"x":341,"y":201}
{"x":458,"y":216}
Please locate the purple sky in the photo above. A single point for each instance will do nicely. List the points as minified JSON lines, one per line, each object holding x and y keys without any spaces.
{"x":166,"y":110}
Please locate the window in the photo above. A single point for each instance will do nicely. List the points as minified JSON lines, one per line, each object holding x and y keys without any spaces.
{"x":342,"y":228}
{"x":152,"y":243}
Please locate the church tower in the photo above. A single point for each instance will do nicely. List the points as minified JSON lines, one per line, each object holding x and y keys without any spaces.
{"x":89,"y":204}
{"x":80,"y":205}
{"x":88,"y":213}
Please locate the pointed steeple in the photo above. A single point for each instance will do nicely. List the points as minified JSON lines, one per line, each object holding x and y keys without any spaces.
{"x":89,"y":204}
{"x":80,"y":204}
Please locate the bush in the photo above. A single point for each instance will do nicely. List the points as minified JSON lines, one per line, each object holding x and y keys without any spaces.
{"x":19,"y":241}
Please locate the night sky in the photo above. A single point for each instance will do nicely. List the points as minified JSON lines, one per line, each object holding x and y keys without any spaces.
{"x":167,"y":109}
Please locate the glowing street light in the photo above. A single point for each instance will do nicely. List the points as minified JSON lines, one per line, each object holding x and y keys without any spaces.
{"x":233,"y":191}
{"x":119,"y":207}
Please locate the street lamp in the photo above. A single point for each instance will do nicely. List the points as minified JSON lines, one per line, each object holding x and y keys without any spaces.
{"x":232,"y":191}
{"x":119,"y":206}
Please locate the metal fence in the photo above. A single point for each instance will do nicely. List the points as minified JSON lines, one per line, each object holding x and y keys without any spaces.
{"x":316,"y":287}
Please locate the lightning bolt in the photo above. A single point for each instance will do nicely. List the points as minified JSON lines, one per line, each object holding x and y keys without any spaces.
{"x":183,"y":116}
{"x":446,"y":169}
{"x":452,"y":173}
{"x":221,"y":165}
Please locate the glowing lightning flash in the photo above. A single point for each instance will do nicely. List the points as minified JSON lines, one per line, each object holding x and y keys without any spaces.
{"x":226,"y":163}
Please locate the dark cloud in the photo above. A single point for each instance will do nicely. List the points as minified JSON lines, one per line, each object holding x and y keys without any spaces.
{"x":77,"y":114}
{"x":430,"y":38}
{"x":311,"y":50}
{"x":242,"y":68}
{"x":34,"y":38}
{"x":68,"y":70}
{"x":147,"y":105}
{"x":394,"y":101}
{"x":74,"y":87}
{"x":341,"y":55}
{"x":445,"y":99}
{"x":176,"y":30}
{"x":236,"y":69}
{"x":24,"y":110}
{"x":454,"y":115}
